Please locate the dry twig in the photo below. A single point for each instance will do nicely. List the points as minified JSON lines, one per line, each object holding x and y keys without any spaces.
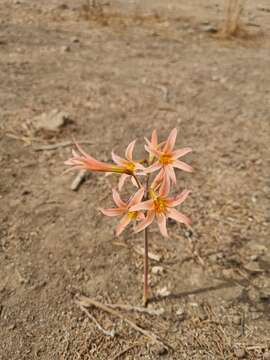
{"x":91,"y":317}
{"x":84,"y":301}
{"x":59,"y":145}
{"x":122,"y":352}
{"x":139,"y":250}
{"x":137,"y":309}
{"x":79,"y":179}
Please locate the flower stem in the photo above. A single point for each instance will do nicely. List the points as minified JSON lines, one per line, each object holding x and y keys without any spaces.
{"x":137,"y":181}
{"x":146,"y":260}
{"x":145,"y":288}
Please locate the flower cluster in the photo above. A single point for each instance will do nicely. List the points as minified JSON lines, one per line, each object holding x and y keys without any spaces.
{"x":151,"y":201}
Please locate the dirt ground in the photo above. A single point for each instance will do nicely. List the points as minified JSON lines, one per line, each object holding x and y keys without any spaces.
{"x":119,"y":75}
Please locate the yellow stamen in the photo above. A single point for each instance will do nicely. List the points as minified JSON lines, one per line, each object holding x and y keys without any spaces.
{"x":160,"y":205}
{"x":132,"y":214}
{"x":165,"y":159}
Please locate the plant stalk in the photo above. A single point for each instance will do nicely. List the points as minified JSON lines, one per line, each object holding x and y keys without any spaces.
{"x":145,"y":288}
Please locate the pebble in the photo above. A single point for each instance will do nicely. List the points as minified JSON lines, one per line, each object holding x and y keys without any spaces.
{"x":236,"y":320}
{"x":240,"y":353}
{"x":157,"y":270}
{"x":163,"y":292}
{"x":51,"y":121}
{"x":74,"y":39}
{"x":65,"y":48}
{"x":180,"y":313}
{"x":210,"y":29}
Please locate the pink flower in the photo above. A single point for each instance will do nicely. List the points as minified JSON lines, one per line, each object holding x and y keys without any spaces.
{"x":123,"y":208}
{"x":160,"y":206}
{"x":82,"y":160}
{"x":129,"y":165}
{"x":167,"y":159}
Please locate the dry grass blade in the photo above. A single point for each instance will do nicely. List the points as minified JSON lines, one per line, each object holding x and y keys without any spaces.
{"x":59,"y":145}
{"x":231,"y":25}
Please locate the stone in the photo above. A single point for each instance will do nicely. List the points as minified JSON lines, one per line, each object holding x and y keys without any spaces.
{"x":157,"y":270}
{"x":210,"y":29}
{"x":163,"y":292}
{"x":236,"y":320}
{"x":65,"y":49}
{"x":74,"y":39}
{"x":51,"y":121}
{"x":240,"y":353}
{"x":180,"y":313}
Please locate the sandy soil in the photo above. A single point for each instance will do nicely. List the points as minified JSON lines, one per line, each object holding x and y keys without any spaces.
{"x":119,"y":75}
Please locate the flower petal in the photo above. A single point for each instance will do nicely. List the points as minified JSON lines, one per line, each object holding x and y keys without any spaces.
{"x":153,"y":151}
{"x":177,"y":200}
{"x":129,"y":150}
{"x":117,"y":199}
{"x":176,"y":215}
{"x":156,"y":166}
{"x":148,"y":220}
{"x":122,"y":181}
{"x":145,"y":205}
{"x":137,"y":197}
{"x":170,"y":141}
{"x":117,"y":159}
{"x":111,"y":212}
{"x":181,"y":152}
{"x":170,"y":171}
{"x":165,"y":185}
{"x":182,"y":166}
{"x":161,"y":220}
{"x":122,"y":224}
{"x":154,"y":138}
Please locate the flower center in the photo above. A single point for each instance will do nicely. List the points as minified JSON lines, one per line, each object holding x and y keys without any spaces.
{"x":132,"y":214}
{"x":160,"y":205}
{"x":130,"y":167}
{"x":165,"y":159}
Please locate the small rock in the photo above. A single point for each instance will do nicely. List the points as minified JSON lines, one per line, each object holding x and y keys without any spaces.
{"x":180,"y":313}
{"x":253,"y":267}
{"x":237,"y":320}
{"x":210,"y":29}
{"x":265,"y":294}
{"x":74,"y":39}
{"x":65,"y":49}
{"x":163,"y":292}
{"x":266,"y":356}
{"x":240,"y":353}
{"x":157,"y":270}
{"x":51,"y":121}
{"x":160,"y":350}
{"x":254,"y":257}
{"x":12,"y":327}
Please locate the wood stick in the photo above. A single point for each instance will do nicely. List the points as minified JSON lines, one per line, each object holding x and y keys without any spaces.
{"x":91,"y":317}
{"x":122,"y":352}
{"x":139,"y":309}
{"x":79,"y":179}
{"x":59,"y":145}
{"x":140,"y":250}
{"x":86,"y":302}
